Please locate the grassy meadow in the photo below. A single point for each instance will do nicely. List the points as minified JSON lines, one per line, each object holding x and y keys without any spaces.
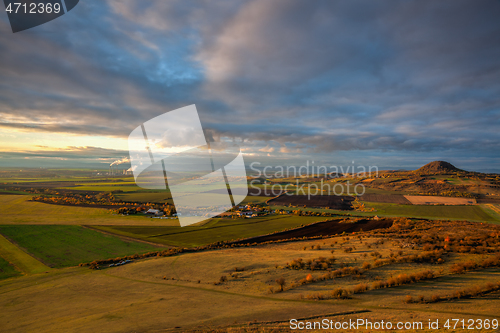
{"x":338,"y":277}
{"x":469,"y":212}
{"x":17,"y":209}
{"x":20,"y":259}
{"x":214,"y":231}
{"x":173,"y":292}
{"x":69,"y":245}
{"x":7,"y":270}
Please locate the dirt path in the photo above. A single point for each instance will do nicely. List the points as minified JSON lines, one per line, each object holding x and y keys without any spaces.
{"x":126,"y":238}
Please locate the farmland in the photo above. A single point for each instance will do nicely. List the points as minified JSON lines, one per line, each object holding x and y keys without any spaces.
{"x":386,"y":198}
{"x":145,"y":290}
{"x":18,"y":258}
{"x":435,"y":200}
{"x":369,"y":274}
{"x":62,"y":246}
{"x":218,"y":230}
{"x":17,"y":209}
{"x":327,"y":228}
{"x":473,"y":213}
{"x":7,"y":270}
{"x":325,"y":201}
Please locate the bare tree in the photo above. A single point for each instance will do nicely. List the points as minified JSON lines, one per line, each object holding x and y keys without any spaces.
{"x":281,"y":282}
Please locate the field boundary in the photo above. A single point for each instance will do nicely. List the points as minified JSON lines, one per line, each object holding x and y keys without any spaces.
{"x":20,"y":259}
{"x":215,"y":227}
{"x":127,"y":238}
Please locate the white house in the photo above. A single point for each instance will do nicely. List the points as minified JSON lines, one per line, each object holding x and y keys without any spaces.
{"x":154,"y":212}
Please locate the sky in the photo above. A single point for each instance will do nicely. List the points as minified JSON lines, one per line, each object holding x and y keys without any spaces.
{"x":387,"y":83}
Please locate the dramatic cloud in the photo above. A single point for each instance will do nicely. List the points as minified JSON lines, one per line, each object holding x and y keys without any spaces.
{"x":372,"y":80}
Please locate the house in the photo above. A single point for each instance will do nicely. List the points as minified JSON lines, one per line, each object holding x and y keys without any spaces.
{"x":155,"y":212}
{"x":246,"y":214}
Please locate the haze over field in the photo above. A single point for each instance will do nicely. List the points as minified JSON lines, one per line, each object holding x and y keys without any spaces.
{"x":392,"y":84}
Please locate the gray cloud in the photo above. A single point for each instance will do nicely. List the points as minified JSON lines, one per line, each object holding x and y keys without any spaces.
{"x":294,"y":76}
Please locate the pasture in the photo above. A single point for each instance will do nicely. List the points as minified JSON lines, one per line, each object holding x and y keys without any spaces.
{"x":469,"y":212}
{"x":62,"y":246}
{"x":154,"y":197}
{"x":435,"y":200}
{"x":214,"y":231}
{"x":7,"y":270}
{"x":324,"y":201}
{"x":17,"y":209}
{"x":21,"y":260}
{"x":172,"y":293}
{"x":103,"y":188}
{"x":387,"y":198}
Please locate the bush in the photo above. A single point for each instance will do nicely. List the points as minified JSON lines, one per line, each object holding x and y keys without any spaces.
{"x":435,"y":298}
{"x":360,"y":288}
{"x":408,"y":299}
{"x":366,"y":265}
{"x":316,"y":296}
{"x":379,"y":285}
{"x":281,"y":282}
{"x":339,"y":293}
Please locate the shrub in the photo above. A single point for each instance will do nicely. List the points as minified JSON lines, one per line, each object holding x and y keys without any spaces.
{"x":408,"y":299}
{"x":281,"y":282}
{"x":339,"y":293}
{"x":366,"y":265}
{"x":316,"y":296}
{"x":379,"y":285}
{"x":360,"y":288}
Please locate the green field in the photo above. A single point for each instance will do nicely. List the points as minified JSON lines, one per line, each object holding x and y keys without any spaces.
{"x":214,"y":231}
{"x":317,"y":210}
{"x":471,"y":213}
{"x":20,"y":259}
{"x":7,"y":270}
{"x":103,"y":188}
{"x":17,"y":209}
{"x":63,"y":246}
{"x":492,"y":209}
{"x":162,"y":197}
{"x":255,"y":199}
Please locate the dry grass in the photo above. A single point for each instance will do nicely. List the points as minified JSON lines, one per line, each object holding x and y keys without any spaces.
{"x":435,"y":200}
{"x":167,"y":292}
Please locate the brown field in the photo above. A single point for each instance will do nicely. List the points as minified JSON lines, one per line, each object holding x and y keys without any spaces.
{"x":326,"y":228}
{"x":386,"y":198}
{"x":235,"y":289}
{"x":435,"y":200}
{"x":323,"y":201}
{"x":253,"y":191}
{"x":489,"y":201}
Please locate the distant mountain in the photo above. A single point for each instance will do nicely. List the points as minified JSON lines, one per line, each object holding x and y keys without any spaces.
{"x":438,"y":167}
